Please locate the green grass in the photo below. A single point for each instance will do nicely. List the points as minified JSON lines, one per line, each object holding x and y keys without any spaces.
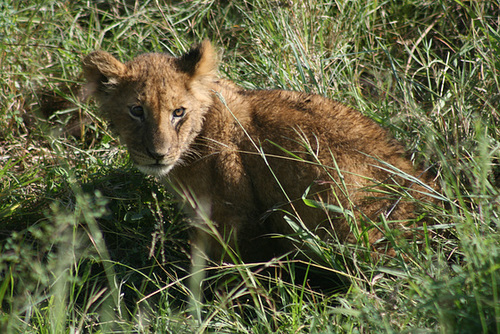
{"x":90,"y":245}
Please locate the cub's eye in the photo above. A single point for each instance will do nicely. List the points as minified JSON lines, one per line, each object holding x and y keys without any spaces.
{"x":137,"y":112}
{"x":179,"y":112}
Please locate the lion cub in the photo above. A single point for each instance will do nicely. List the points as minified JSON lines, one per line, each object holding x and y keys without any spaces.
{"x":259,"y":164}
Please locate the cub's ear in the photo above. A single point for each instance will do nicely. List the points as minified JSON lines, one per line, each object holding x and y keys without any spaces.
{"x":102,"y":71}
{"x":200,"y":60}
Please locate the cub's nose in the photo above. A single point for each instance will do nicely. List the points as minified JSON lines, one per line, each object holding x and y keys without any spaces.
{"x":155,"y":155}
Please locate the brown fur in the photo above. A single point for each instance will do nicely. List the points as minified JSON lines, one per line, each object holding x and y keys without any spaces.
{"x":245,"y":158}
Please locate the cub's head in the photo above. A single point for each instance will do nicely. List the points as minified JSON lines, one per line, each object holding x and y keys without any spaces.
{"x":156,"y":102}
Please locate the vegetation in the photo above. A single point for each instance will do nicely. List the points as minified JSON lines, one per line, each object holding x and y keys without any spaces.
{"x":89,"y":245}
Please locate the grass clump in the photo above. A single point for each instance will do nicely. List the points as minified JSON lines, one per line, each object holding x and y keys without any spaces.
{"x":89,"y":245}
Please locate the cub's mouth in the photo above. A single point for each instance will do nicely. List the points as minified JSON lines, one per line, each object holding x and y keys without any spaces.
{"x":155,"y":169}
